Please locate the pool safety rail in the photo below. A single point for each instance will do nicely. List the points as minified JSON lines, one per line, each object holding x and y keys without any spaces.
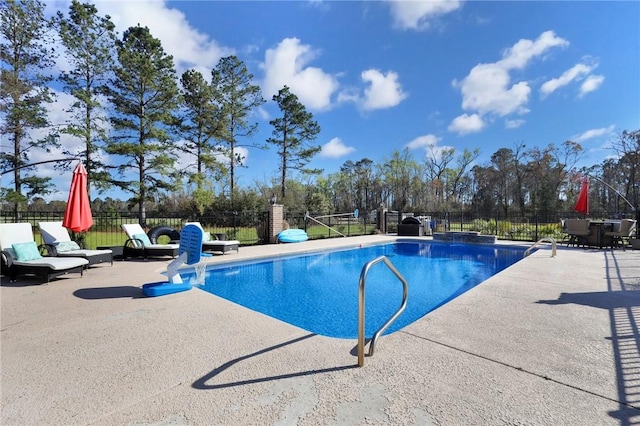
{"x":315,"y":219}
{"x":361,"y":307}
{"x":554,"y":246}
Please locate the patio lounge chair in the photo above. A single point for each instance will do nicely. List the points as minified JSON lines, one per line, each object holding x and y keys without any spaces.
{"x":139,"y":245}
{"x":21,"y":256}
{"x":215,"y":245}
{"x":627,"y":227}
{"x":58,"y":243}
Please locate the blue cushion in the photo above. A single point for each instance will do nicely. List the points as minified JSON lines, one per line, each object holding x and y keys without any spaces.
{"x":63,"y":246}
{"x":26,"y":251}
{"x":143,"y":237}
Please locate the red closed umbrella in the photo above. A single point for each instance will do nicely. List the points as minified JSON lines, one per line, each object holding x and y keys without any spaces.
{"x":582,"y":205}
{"x":77,"y":216}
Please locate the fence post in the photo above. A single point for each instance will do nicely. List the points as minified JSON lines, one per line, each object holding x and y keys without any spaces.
{"x":381,"y":218}
{"x":275,"y":214}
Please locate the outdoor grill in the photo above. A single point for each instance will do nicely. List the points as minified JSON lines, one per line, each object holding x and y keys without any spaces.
{"x":411,"y":227}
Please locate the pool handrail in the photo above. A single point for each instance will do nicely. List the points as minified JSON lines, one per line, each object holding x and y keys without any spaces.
{"x":361,"y":306}
{"x":541,"y":240}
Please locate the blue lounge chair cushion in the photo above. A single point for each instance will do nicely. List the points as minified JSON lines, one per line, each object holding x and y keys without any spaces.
{"x":142,"y":237}
{"x":64,"y":246}
{"x":26,"y":251}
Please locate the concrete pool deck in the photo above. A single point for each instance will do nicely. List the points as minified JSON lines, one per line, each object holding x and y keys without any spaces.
{"x":548,"y":341}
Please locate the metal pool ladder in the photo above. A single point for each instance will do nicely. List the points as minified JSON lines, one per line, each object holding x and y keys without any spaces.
{"x":363,"y":280}
{"x":541,"y":240}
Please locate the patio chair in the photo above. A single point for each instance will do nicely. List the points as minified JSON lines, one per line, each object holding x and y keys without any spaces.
{"x":58,"y":243}
{"x":210,"y":244}
{"x":627,"y":227}
{"x":21,"y":255}
{"x":138,"y":244}
{"x":578,"y":231}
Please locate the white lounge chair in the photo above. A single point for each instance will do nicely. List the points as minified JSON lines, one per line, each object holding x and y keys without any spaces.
{"x":210,"y":244}
{"x":21,"y":255}
{"x":139,"y":245}
{"x":58,"y":242}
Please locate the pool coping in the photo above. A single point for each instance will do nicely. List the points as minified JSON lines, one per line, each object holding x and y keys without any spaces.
{"x":546,"y":341}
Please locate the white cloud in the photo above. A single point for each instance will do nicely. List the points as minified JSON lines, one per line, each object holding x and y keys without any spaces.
{"x":520,"y":54}
{"x":383,"y":90}
{"x":286,"y":64}
{"x":594,"y":133}
{"x":189,"y":47}
{"x":418,"y":15}
{"x":335,"y":148}
{"x":466,"y":123}
{"x":592,"y":83}
{"x":513,"y":124}
{"x":573,"y":73}
{"x":488,"y":88}
{"x":425,"y":141}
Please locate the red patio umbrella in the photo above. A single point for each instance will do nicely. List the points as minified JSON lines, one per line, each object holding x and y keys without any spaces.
{"x":582,"y":205}
{"x":77,"y":216}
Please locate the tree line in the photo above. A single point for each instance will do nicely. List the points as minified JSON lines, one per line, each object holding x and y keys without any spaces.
{"x":129,"y":103}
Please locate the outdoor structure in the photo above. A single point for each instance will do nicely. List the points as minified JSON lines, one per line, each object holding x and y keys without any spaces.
{"x":276,"y":218}
{"x":411,"y":227}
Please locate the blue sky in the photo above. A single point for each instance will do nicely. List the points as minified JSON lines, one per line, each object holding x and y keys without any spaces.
{"x":380,"y":76}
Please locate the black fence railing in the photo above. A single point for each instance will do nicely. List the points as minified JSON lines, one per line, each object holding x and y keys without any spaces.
{"x":251,"y":227}
{"x":331,"y":226}
{"x":247,"y":227}
{"x":506,"y":227}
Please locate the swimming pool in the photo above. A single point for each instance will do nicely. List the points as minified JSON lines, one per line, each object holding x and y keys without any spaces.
{"x":319,"y":292}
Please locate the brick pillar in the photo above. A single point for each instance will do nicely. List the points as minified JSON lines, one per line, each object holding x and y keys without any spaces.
{"x":381,"y":219}
{"x":276,"y":217}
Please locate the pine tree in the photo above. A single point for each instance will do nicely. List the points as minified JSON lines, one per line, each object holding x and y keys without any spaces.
{"x":24,"y":92}
{"x":237,"y":97}
{"x":292,"y":134}
{"x":145,"y":96}
{"x":201,"y":125}
{"x":89,"y":41}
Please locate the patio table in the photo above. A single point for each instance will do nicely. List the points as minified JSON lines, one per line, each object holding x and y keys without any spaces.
{"x":597,"y":237}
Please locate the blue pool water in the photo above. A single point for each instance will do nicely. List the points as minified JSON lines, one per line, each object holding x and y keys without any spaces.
{"x":319,"y":292}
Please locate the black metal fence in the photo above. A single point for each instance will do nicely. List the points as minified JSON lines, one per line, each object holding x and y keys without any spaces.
{"x":516,"y":228}
{"x":251,"y":227}
{"x":330,"y":226}
{"x":247,"y":227}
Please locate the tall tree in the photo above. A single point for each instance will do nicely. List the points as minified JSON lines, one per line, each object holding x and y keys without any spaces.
{"x":437,"y":163}
{"x":364,"y":176}
{"x":627,"y":147}
{"x":547,"y":171}
{"x":145,"y":96}
{"x":24,"y":93}
{"x":398,"y":172}
{"x":292,"y":135}
{"x":89,"y":41}
{"x":201,"y":124}
{"x":236,"y":96}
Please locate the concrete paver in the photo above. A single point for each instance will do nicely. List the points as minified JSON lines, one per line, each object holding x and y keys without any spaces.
{"x":547,"y":341}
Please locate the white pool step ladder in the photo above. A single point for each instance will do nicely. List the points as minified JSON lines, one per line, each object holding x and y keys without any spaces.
{"x":361,"y":307}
